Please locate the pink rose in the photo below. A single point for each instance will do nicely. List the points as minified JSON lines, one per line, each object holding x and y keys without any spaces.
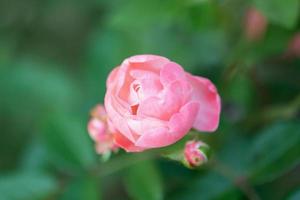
{"x":100,"y":132}
{"x":153,"y":102}
{"x":193,"y":154}
{"x":255,"y":24}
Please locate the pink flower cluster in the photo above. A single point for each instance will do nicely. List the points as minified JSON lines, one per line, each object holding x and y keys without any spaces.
{"x":152,"y":102}
{"x":100,"y":131}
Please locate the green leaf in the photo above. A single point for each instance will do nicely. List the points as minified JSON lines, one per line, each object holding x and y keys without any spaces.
{"x":274,"y":151}
{"x":280,"y":12}
{"x":294,"y":196}
{"x":129,"y":17}
{"x":34,"y":156}
{"x":68,"y":143}
{"x":82,"y":188}
{"x":26,"y":186}
{"x":208,"y":187}
{"x":40,"y":89}
{"x":143,"y":182}
{"x":235,"y":153}
{"x":241,"y":90}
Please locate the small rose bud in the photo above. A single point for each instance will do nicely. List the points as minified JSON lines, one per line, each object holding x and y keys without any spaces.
{"x":195,"y":153}
{"x":100,"y":131}
{"x":255,"y":24}
{"x":294,"y":46}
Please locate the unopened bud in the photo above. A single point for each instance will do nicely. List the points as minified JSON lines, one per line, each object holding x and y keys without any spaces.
{"x":294,"y":46}
{"x":195,"y":153}
{"x":255,"y":24}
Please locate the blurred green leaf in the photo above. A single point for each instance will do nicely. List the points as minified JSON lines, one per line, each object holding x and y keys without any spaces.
{"x":30,"y":90}
{"x":82,"y":188}
{"x":68,"y":142}
{"x":34,"y":156}
{"x":39,"y":85}
{"x":284,"y":13}
{"x":241,"y":90}
{"x":106,"y":50}
{"x":274,"y":151}
{"x":128,"y":16}
{"x":26,"y":186}
{"x":275,"y":43}
{"x":235,"y":153}
{"x":294,"y":196}
{"x":207,"y":187}
{"x":143,"y":182}
{"x":210,"y":47}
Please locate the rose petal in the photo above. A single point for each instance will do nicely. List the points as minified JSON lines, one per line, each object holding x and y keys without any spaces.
{"x":210,"y":104}
{"x":169,"y":102}
{"x":140,"y":125}
{"x":96,"y":129}
{"x":183,"y":121}
{"x":179,"y":125}
{"x":171,"y":72}
{"x":126,"y":144}
{"x":112,"y":77}
{"x":116,"y":114}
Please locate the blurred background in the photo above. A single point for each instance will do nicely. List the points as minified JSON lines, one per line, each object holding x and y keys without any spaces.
{"x":55,"y":56}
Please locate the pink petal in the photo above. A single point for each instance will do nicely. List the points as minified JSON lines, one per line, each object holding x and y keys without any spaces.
{"x":210,"y":103}
{"x":112,"y":77}
{"x":96,"y":129}
{"x":183,"y":121}
{"x":143,"y":88}
{"x":143,"y":74}
{"x":150,"y":87}
{"x":171,"y":72}
{"x":146,"y":62}
{"x":179,"y":125}
{"x":126,"y":144}
{"x":117,"y":115}
{"x":145,"y":58}
{"x":167,"y":103}
{"x":140,"y":125}
{"x":153,"y":138}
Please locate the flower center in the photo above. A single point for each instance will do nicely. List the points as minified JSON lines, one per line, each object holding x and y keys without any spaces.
{"x":136,"y":87}
{"x":134,"y":109}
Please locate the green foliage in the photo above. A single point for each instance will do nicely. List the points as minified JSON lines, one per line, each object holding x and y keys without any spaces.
{"x":295,"y":195}
{"x":198,"y":189}
{"x":275,"y":150}
{"x":26,"y":186}
{"x":82,"y":188}
{"x":68,"y":143}
{"x":284,"y":13}
{"x":54,"y":60}
{"x":143,"y":182}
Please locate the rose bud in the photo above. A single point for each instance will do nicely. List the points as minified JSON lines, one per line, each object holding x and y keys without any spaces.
{"x":100,"y":131}
{"x":195,"y":153}
{"x":255,"y":24}
{"x":153,"y":102}
{"x":294,"y":46}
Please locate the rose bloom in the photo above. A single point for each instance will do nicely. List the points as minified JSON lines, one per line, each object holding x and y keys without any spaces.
{"x":100,"y":131}
{"x":255,"y":24}
{"x":153,"y":102}
{"x":193,"y":155}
